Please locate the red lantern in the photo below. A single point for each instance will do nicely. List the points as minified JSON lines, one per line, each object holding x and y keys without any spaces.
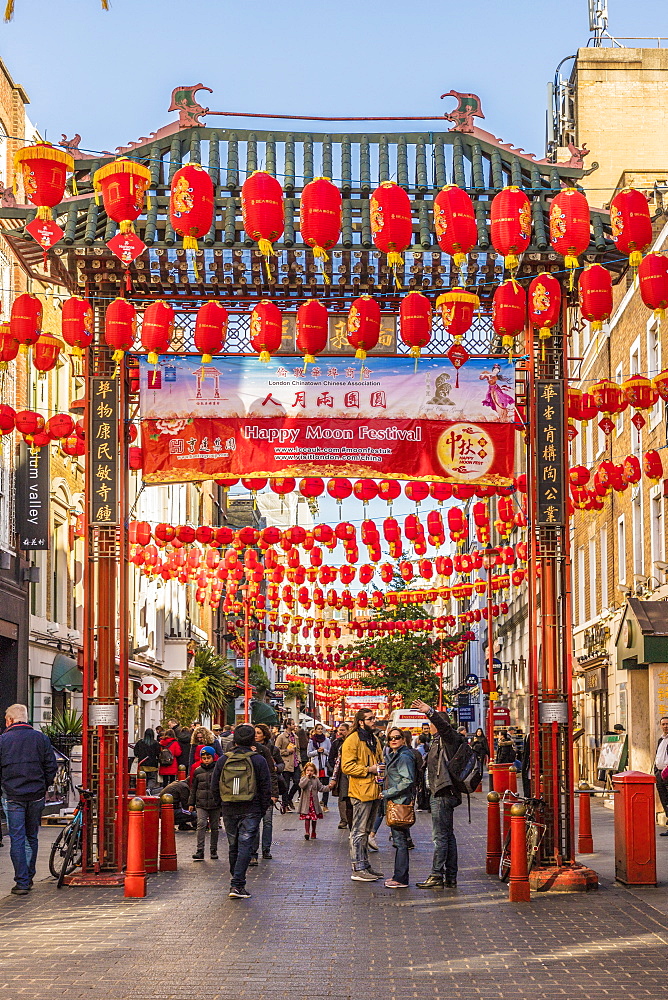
{"x":135,"y":458}
{"x":254,"y":484}
{"x":312,"y":487}
{"x":191,"y":204}
{"x":391,"y":221}
{"x":415,"y":322}
{"x":339,"y":489}
{"x":262,"y":210}
{"x":578,"y":475}
{"x":440,"y":491}
{"x":44,"y":172}
{"x":123,"y":184}
{"x":77,"y":323}
{"x":457,"y":308}
{"x":631,"y":224}
{"x":312,"y":329}
{"x":73,"y":446}
{"x":266,"y":329}
{"x":660,"y":383}
{"x":389,"y":490}
{"x":9,"y":346}
{"x":7,"y":418}
{"x":570,"y":226}
{"x":45,"y":353}
{"x":640,"y":391}
{"x":157,"y":329}
{"x":365,"y":490}
{"x":609,"y":399}
{"x":544,"y":303}
{"x":653,"y":280}
{"x":282,"y":486}
{"x":120,"y":325}
{"x":25,"y":321}
{"x":510,"y":224}
{"x":509,"y":313}
{"x":588,"y":408}
{"x":631,"y":470}
{"x":363,"y":326}
{"x":596,"y":295}
{"x":28,"y":422}
{"x":320,"y":216}
{"x":416,"y":491}
{"x":652,"y":465}
{"x":210,"y":330}
{"x":454,"y":222}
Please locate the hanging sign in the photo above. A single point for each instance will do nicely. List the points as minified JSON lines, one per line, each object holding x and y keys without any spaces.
{"x":550,"y":479}
{"x":379,"y":418}
{"x":104,"y":451}
{"x":149,"y":689}
{"x":33,"y":498}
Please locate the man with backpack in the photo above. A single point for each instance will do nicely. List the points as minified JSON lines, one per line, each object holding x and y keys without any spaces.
{"x":444,"y":797}
{"x":241,"y":788}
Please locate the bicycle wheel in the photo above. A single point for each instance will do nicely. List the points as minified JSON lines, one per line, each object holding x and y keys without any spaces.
{"x":504,"y":864}
{"x":66,"y":852}
{"x":533,"y":840}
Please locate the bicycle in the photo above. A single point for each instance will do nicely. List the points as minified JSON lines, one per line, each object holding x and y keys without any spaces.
{"x":66,"y":852}
{"x":535,"y":832}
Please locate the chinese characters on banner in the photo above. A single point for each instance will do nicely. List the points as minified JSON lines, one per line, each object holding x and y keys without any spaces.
{"x":339,"y":417}
{"x":550,"y":479}
{"x":104,"y":451}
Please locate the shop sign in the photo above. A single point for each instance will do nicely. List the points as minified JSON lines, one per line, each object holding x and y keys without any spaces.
{"x":550,"y":488}
{"x":596,"y":639}
{"x":33,"y":498}
{"x":104,"y":449}
{"x":597,"y":679}
{"x":149,"y":689}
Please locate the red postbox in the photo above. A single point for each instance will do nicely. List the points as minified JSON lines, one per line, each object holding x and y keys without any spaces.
{"x":504,"y":779}
{"x":635,"y":835}
{"x":151,"y":832}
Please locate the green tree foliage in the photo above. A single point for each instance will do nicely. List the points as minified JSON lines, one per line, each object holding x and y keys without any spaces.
{"x":219,"y":683}
{"x":258,"y":677}
{"x":405,"y":664}
{"x":296,"y":689}
{"x":184,"y":698}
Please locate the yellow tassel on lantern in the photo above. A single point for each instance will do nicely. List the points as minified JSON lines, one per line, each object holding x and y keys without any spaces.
{"x":126,"y":226}
{"x":508,"y":343}
{"x":571,"y":263}
{"x":207,"y":359}
{"x":9,"y":10}
{"x":44,"y":213}
{"x":309,"y":359}
{"x":511,"y":262}
{"x":265,"y":357}
{"x":459,"y":259}
{"x":360,"y":354}
{"x":190,"y":243}
{"x":635,"y":259}
{"x":117,"y":356}
{"x":266,"y":248}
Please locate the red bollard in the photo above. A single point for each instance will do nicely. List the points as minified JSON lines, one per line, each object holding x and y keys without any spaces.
{"x":520,"y":891}
{"x":182,"y":772}
{"x":140,"y":788}
{"x":135,"y":874}
{"x":585,"y":839}
{"x":493,"y":833}
{"x":168,"y":861}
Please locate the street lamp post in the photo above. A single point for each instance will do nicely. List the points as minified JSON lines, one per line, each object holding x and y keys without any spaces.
{"x":488,"y":561}
{"x":246,"y":603}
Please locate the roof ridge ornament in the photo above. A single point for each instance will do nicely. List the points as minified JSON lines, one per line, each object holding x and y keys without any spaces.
{"x":468,"y":108}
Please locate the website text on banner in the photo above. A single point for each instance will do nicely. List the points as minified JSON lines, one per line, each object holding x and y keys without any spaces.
{"x":377,"y":419}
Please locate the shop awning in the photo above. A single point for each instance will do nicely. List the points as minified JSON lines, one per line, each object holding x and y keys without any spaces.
{"x":65,"y":674}
{"x":261,"y":712}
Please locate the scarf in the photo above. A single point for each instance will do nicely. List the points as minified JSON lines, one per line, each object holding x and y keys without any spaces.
{"x":318,"y":738}
{"x":367,"y":737}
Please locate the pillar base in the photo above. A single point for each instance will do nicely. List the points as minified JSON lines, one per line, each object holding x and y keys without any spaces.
{"x":563,"y":878}
{"x":93,"y":880}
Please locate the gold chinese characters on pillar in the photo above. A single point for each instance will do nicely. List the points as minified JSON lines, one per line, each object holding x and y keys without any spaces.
{"x":103,"y":450}
{"x":550,"y":478}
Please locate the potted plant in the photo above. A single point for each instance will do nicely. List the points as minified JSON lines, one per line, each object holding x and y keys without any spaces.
{"x":65,"y":730}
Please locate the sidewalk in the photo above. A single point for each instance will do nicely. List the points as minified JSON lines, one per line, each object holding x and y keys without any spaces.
{"x":310,"y":932}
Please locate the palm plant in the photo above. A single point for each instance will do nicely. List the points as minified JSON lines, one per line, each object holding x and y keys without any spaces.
{"x":219,"y":683}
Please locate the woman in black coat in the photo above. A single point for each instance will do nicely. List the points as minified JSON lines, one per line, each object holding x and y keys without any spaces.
{"x":480,"y":746}
{"x":147,"y":755}
{"x":505,"y":749}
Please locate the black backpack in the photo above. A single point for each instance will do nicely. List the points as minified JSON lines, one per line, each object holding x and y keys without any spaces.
{"x":166,"y":757}
{"x":462,"y":771}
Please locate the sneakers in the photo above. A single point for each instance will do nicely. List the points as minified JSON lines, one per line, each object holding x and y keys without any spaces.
{"x":214,"y":856}
{"x":342,"y":825}
{"x":253,"y":863}
{"x":375,"y":873}
{"x":325,"y":809}
{"x":306,"y":836}
{"x":19,"y":890}
{"x":432,"y":882}
{"x":392,"y":883}
{"x":365,"y":876}
{"x":372,"y":844}
{"x":198,"y":856}
{"x":267,"y":855}
{"x":236,"y":893}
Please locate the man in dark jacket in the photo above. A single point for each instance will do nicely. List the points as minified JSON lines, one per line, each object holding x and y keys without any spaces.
{"x":202,"y":799}
{"x":444,"y":799}
{"x":27,"y":768}
{"x":180,"y":793}
{"x":242,"y":818}
{"x":341,"y":732}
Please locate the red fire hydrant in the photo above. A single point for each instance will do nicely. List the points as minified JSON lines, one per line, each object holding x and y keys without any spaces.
{"x":635,"y":833}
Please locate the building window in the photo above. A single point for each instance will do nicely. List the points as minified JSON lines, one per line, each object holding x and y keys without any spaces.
{"x":621,"y":550}
{"x":654,"y":365}
{"x":619,"y":422}
{"x":581,"y":586}
{"x":638,"y":537}
{"x":592,"y":579}
{"x":604,"y":567}
{"x":656,"y":528}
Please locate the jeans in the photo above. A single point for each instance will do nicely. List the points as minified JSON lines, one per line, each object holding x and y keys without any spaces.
{"x":400,"y":841}
{"x":444,"y":862}
{"x":364,"y":813}
{"x":267,"y":831}
{"x":212,"y":816}
{"x":23,"y":819}
{"x":241,"y":832}
{"x":380,"y":816}
{"x":291,"y":779}
{"x":345,"y":811}
{"x":153,"y":785}
{"x":662,"y":789}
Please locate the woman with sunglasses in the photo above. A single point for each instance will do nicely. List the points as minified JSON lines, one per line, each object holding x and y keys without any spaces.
{"x":399,"y":787}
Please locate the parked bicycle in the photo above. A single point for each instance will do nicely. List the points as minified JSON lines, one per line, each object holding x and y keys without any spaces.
{"x":535,"y":831}
{"x":66,"y":852}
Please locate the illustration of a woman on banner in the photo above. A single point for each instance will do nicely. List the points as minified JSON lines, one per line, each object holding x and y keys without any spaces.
{"x":496,"y":398}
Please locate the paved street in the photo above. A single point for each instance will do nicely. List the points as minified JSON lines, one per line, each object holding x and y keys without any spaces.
{"x":308,"y":931}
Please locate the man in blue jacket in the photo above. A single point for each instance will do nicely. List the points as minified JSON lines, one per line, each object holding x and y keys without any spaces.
{"x":27,"y":768}
{"x":245,"y":798}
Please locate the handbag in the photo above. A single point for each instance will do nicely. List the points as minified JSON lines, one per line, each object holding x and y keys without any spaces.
{"x":401,"y":816}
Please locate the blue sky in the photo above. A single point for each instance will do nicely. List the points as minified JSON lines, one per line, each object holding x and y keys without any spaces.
{"x":109,"y":76}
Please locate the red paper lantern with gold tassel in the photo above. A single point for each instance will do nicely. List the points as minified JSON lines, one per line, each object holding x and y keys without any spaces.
{"x":123,"y":184}
{"x":363,"y":326}
{"x":312,"y":329}
{"x":660,"y":383}
{"x":262,"y":211}
{"x":9,"y":346}
{"x":641,"y":394}
{"x":77,"y":323}
{"x":653,"y":281}
{"x":454,"y":222}
{"x":652,"y":465}
{"x":570,"y":226}
{"x":157,"y":329}
{"x":631,"y":224}
{"x":45,"y":353}
{"x":509,"y":313}
{"x":510,"y":224}
{"x":595,"y":295}
{"x":210,"y":330}
{"x":120,"y":325}
{"x":457,"y":308}
{"x":25,"y":320}
{"x":320,"y":216}
{"x":44,"y":170}
{"x":191,"y":204}
{"x":391,"y":222}
{"x":415,"y":322}
{"x":544,"y":303}
{"x":266,"y":329}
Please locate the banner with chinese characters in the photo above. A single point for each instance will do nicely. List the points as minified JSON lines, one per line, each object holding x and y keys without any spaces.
{"x":33,"y":498}
{"x":378,"y":419}
{"x":104,"y":451}
{"x":550,"y":452}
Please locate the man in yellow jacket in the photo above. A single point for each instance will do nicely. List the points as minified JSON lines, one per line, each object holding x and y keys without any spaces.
{"x":361,"y":760}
